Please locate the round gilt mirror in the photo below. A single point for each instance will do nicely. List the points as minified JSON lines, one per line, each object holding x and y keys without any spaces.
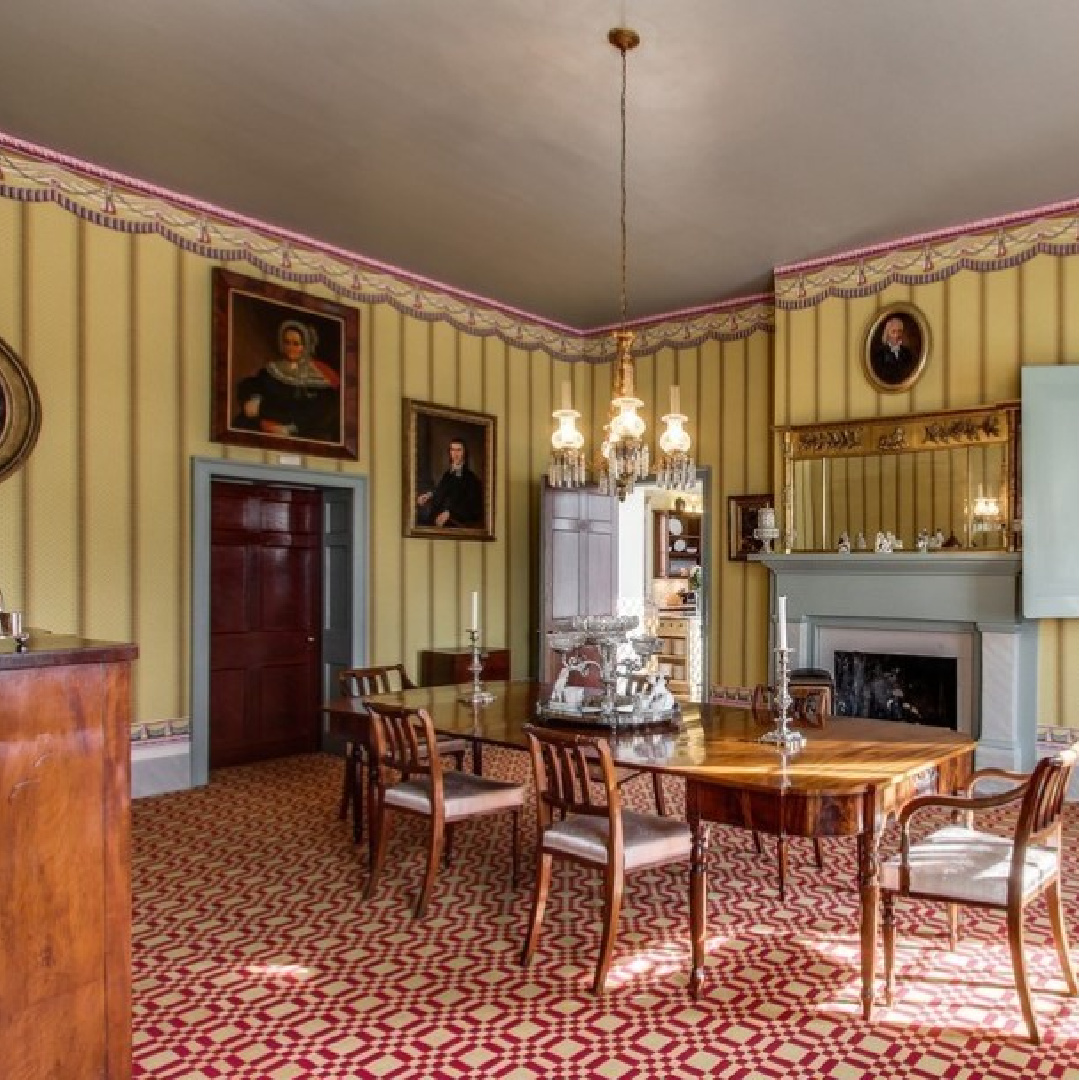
{"x":20,"y":411}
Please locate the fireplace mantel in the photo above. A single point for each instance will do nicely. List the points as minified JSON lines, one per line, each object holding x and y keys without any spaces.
{"x":926,"y":597}
{"x":975,"y":587}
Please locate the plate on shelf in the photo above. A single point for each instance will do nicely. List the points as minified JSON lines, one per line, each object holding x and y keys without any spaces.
{"x":679,"y":545}
{"x":674,"y":526}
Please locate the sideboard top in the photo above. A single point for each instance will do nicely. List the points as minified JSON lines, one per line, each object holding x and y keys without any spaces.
{"x":58,"y":650}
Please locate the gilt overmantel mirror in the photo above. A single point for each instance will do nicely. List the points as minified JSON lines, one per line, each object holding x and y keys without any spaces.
{"x":947,"y":480}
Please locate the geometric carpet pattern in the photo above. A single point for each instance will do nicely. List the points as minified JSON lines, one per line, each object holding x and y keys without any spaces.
{"x":256,"y":957}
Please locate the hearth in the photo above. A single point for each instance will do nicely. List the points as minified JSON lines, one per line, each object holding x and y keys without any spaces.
{"x":890,"y":686}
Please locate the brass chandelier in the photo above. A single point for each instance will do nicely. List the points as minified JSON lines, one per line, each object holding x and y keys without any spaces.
{"x":624,"y":454}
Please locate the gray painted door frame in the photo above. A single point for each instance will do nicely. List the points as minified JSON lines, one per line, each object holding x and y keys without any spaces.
{"x":203,"y":472}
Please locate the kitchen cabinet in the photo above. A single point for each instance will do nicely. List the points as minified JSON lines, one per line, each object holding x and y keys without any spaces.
{"x":676,"y":543}
{"x":679,"y":656}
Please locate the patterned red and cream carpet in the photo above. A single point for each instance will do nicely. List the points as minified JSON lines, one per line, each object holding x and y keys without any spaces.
{"x":257,"y":958}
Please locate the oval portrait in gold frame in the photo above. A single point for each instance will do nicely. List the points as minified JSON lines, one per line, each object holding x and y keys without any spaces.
{"x":20,"y":411}
{"x":896,"y":347}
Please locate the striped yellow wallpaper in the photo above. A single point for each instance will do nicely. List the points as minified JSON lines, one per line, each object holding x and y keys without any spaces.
{"x":984,"y":326}
{"x":115,"y":328}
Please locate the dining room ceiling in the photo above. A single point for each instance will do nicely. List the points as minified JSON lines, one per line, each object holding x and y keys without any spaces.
{"x":477,"y":142}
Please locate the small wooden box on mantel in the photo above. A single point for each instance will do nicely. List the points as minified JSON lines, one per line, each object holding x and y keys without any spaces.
{"x":448,"y":667}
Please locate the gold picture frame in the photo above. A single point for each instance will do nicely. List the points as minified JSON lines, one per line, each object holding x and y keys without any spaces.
{"x":20,"y":411}
{"x":449,"y":472}
{"x":896,"y":347}
{"x":742,"y":521}
{"x":285,"y":369}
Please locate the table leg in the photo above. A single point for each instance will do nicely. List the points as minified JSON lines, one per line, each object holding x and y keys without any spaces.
{"x":869,"y":896}
{"x":478,"y":757}
{"x":697,"y":903}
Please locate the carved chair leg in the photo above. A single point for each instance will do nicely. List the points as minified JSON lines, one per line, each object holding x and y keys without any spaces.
{"x":658,"y":793}
{"x":349,"y":779}
{"x":381,"y":835}
{"x":888,"y":938}
{"x":952,"y":914}
{"x":613,"y":892}
{"x":435,"y":849}
{"x":819,"y":856}
{"x":757,"y":842}
{"x":515,"y":848}
{"x":1057,"y":924}
{"x":540,"y":894}
{"x":1015,"y":919}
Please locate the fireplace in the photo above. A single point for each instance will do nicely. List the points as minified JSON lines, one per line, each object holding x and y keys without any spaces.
{"x":959,"y":610}
{"x":891,"y":686}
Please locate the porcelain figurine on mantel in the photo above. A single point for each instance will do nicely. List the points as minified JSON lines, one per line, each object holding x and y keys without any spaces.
{"x":844,"y":546}
{"x":883,"y":543}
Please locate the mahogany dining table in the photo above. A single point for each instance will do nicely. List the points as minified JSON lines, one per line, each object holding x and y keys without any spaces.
{"x":849,"y":779}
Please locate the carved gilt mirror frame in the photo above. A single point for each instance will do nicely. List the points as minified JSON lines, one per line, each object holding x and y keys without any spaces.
{"x":954,"y":471}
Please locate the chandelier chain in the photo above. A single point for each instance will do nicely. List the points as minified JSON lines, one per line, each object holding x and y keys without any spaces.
{"x":622,"y":189}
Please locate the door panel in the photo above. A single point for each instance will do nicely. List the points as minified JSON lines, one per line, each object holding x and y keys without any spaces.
{"x":580,"y":560}
{"x":265,"y":580}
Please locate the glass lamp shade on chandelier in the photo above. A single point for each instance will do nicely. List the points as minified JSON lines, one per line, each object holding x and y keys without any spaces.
{"x":624,"y":454}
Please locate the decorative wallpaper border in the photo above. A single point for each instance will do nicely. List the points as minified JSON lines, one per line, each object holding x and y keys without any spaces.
{"x":994,"y":244}
{"x":30,"y":173}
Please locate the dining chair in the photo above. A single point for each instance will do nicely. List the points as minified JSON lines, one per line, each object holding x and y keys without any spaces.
{"x":363,"y":682}
{"x":412,"y":781}
{"x":809,"y":706}
{"x":960,"y":865}
{"x":630,"y":685}
{"x":586,"y":823}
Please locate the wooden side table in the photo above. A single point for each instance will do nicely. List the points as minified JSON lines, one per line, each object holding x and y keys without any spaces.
{"x":446,"y":667}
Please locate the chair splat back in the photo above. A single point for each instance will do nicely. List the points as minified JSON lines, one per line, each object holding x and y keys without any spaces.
{"x":1040,"y":812}
{"x":566,"y":768}
{"x":404,"y":739}
{"x":364,"y":681}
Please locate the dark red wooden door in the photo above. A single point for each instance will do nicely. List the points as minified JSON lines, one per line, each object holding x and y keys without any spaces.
{"x":265,"y":587}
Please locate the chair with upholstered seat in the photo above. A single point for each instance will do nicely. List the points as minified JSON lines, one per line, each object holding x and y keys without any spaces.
{"x":412,"y":781}
{"x":959,"y":864}
{"x":362,"y":682}
{"x":575,"y":821}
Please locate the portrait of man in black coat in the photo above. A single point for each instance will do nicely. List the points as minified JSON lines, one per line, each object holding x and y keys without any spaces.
{"x":895,"y":351}
{"x":457,"y":500}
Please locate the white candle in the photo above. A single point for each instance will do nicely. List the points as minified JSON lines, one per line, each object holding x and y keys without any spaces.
{"x":475,"y":611}
{"x":567,"y":400}
{"x":674,"y":400}
{"x":781,"y":621}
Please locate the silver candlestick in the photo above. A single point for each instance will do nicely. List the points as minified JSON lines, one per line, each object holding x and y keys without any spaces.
{"x":782,"y":735}
{"x":479,"y":695}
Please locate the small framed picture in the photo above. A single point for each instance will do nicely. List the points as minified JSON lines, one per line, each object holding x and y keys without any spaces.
{"x":285,"y":369}
{"x":449,"y":472}
{"x":743,"y":518}
{"x":896,"y":348}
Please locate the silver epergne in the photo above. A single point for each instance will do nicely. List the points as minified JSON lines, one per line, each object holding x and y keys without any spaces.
{"x":782,"y":735}
{"x":478,"y":696}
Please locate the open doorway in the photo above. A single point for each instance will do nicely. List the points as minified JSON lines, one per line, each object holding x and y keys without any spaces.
{"x":600,"y":556}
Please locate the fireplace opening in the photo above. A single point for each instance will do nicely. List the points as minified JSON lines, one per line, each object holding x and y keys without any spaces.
{"x":887,"y":686}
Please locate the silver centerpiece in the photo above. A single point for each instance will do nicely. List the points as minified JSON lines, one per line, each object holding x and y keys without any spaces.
{"x":587,"y":642}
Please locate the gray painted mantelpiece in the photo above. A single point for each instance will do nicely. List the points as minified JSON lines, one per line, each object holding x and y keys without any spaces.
{"x":975,"y":594}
